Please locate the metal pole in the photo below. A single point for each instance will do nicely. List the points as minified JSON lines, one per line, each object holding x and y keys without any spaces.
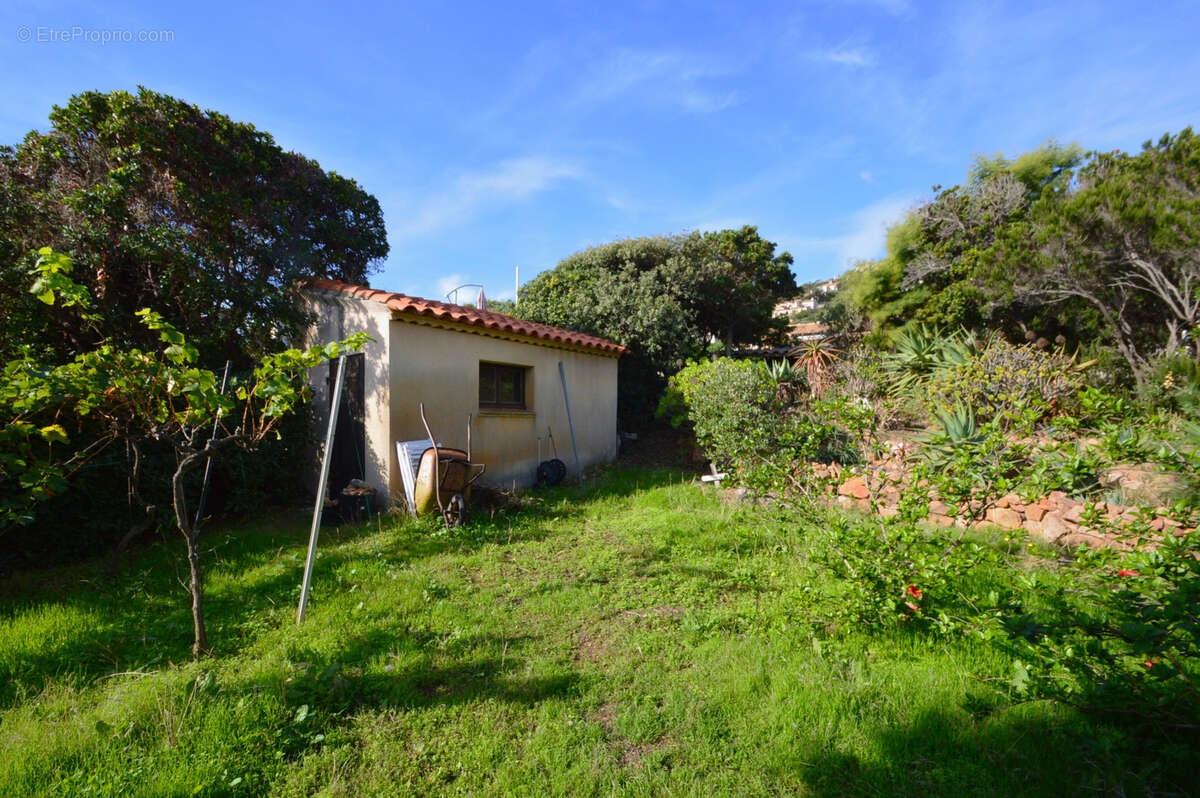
{"x":326,"y":457}
{"x":209,"y":462}
{"x":570,"y":425}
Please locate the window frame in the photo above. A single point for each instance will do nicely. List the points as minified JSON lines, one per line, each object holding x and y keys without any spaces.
{"x":498,"y":369}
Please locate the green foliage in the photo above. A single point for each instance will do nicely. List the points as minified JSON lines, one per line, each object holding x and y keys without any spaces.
{"x":138,"y":397}
{"x":1120,"y":242}
{"x":958,"y":423}
{"x":896,"y":575}
{"x":922,"y":352}
{"x":1121,"y":638}
{"x":729,"y":404}
{"x":1047,"y":167}
{"x":1172,"y":384}
{"x":743,"y":422}
{"x":784,"y":372}
{"x":662,"y":297}
{"x":643,"y":637}
{"x":163,"y":205}
{"x":1005,"y":378}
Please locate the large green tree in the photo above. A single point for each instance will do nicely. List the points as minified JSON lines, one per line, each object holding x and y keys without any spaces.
{"x":1123,"y":241}
{"x":663,"y":297}
{"x":160,"y":204}
{"x":936,"y":264}
{"x":740,"y":285}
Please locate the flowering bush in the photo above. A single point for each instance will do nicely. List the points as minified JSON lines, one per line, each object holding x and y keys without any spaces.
{"x":1002,"y":377}
{"x":1120,"y":637}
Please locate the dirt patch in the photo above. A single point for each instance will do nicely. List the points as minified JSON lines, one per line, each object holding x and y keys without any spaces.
{"x":606,"y":716}
{"x":590,"y":648}
{"x":661,"y":447}
{"x":631,"y":756}
{"x":627,"y":753}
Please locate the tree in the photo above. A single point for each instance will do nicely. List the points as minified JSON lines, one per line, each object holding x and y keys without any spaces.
{"x":1124,"y":241}
{"x":962,"y":223}
{"x":635,"y":292}
{"x":138,"y":396}
{"x":205,"y":220}
{"x":741,"y":286}
{"x":935,"y":267}
{"x":662,"y":297}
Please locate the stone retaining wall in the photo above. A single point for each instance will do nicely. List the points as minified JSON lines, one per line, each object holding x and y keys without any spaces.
{"x":1056,"y":518}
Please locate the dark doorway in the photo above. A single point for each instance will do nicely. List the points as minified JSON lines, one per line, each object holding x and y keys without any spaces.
{"x":349,"y":442}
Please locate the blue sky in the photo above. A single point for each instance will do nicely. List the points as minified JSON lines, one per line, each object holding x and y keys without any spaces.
{"x":512,"y":134}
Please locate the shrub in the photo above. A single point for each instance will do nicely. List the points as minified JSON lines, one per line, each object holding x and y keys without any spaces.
{"x":743,"y":422}
{"x":731,"y":405}
{"x":1120,"y":638}
{"x":1003,"y":378}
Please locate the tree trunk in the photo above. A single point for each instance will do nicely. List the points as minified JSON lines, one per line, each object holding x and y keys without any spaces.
{"x":196,"y":579}
{"x":195,"y":585}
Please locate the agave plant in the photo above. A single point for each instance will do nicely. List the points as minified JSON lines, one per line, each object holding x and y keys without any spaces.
{"x":787,"y":380}
{"x":959,"y":428}
{"x":958,"y":423}
{"x":782,"y":371}
{"x":921,"y":351}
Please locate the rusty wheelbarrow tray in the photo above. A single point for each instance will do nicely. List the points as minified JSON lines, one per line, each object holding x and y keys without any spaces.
{"x":455,"y":473}
{"x":444,"y":478}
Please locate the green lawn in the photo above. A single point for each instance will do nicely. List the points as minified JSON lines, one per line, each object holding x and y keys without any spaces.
{"x":642,"y":638}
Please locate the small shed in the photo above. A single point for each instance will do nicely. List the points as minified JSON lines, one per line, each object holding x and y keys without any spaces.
{"x":457,"y":360}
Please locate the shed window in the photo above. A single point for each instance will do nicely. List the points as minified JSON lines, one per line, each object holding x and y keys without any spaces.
{"x":502,"y":387}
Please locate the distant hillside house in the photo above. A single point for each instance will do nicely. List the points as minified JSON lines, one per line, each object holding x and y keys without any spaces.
{"x":790,"y":306}
{"x":458,"y":361}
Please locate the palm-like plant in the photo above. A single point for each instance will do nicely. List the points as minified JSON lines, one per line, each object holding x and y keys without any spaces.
{"x":817,"y":358}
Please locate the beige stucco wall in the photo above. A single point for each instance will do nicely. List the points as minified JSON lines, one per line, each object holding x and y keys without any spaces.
{"x":440,"y":367}
{"x":413,"y":361}
{"x":338,"y":316}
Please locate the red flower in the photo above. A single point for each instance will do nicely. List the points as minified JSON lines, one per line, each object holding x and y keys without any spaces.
{"x":1149,"y":663}
{"x":912,"y":606}
{"x":1127,"y":572}
{"x":913,"y":591}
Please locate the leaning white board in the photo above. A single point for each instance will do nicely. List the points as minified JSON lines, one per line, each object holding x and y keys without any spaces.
{"x":408,"y":455}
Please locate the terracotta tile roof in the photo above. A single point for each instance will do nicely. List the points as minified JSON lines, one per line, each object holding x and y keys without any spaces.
{"x":809,"y":328}
{"x":415,"y":306}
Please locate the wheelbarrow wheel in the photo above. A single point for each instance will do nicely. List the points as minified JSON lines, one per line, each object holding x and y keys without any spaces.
{"x":456,"y":510}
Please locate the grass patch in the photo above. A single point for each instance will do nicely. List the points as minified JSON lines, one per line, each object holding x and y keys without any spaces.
{"x":638,"y":638}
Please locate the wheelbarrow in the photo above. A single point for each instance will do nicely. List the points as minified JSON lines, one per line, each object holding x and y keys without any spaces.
{"x":444,"y":478}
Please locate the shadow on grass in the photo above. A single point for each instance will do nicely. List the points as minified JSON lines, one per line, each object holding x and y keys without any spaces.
{"x":404,"y":670}
{"x":1031,"y":751}
{"x":144,"y":615}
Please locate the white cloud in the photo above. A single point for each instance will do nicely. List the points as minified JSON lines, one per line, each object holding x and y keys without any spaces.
{"x":868,"y":232}
{"x":451,"y":281}
{"x":667,"y":76}
{"x":864,"y":238}
{"x":509,"y":181}
{"x":846,"y":56}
